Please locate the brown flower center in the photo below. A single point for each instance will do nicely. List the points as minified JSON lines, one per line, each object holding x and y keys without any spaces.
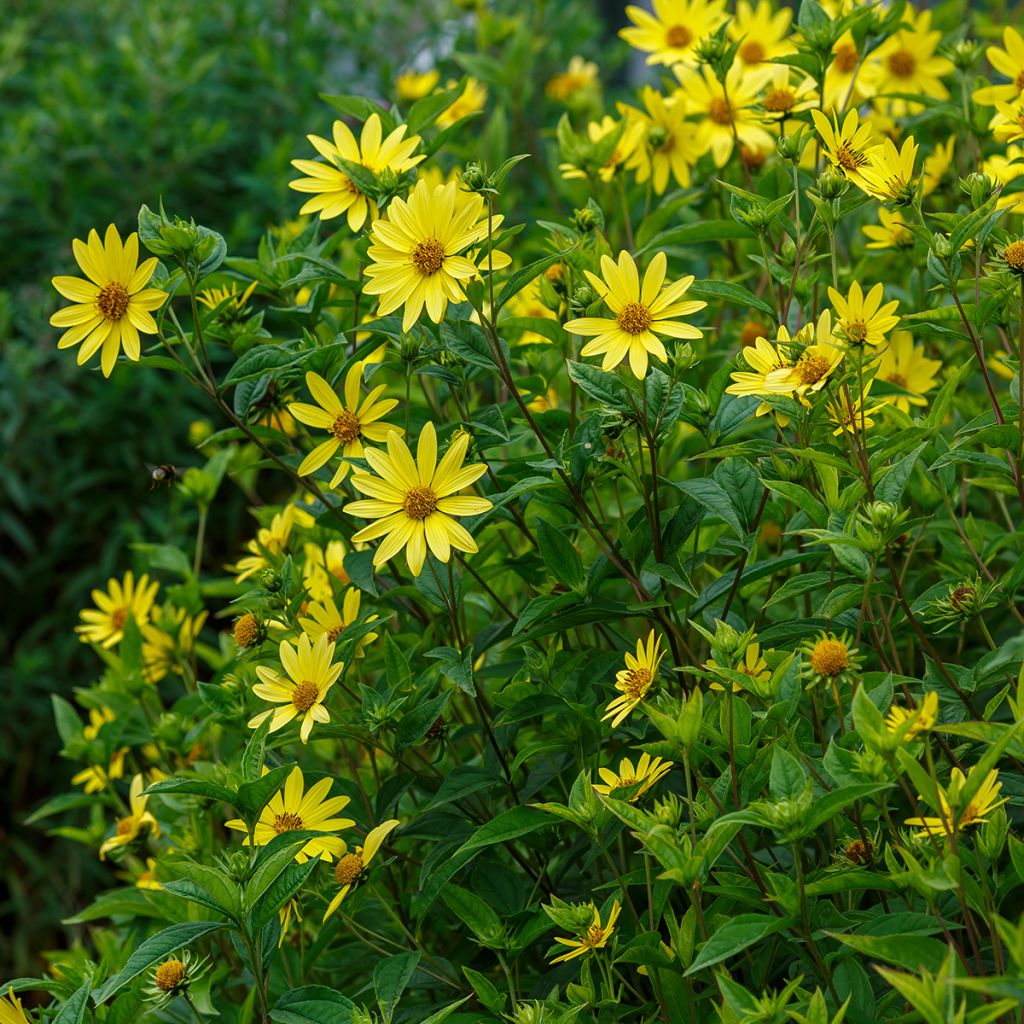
{"x":126,"y":826}
{"x":348,"y":869}
{"x":333,"y":633}
{"x":848,"y":158}
{"x":287,"y":822}
{"x":247,"y":630}
{"x":428,"y":256}
{"x":113,"y":300}
{"x":419,"y":502}
{"x":752,"y":52}
{"x":845,"y":58}
{"x":305,"y":695}
{"x":898,"y":379}
{"x":859,"y":851}
{"x":678,"y":36}
{"x":961,"y":597}
{"x":779,"y":101}
{"x":902,"y":64}
{"x":346,"y":426}
{"x":829,"y":657}
{"x":751,"y":332}
{"x":637,"y":683}
{"x":719,"y":112}
{"x":634,"y":318}
{"x":856,"y":331}
{"x":1014,"y":256}
{"x":118,"y":617}
{"x":169,"y":975}
{"x":811,"y":368}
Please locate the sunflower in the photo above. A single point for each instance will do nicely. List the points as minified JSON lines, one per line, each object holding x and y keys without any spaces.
{"x":1010,"y":62}
{"x":671,"y":34}
{"x":470,"y":101}
{"x":347,"y":422}
{"x":414,"y":85}
{"x":635,"y":680}
{"x":138,"y":818}
{"x":595,"y":937}
{"x":174,"y":976}
{"x":667,"y":143}
{"x":113,"y":305}
{"x":782,"y":97}
{"x":647,"y":772}
{"x":763,"y":359}
{"x":327,"y":621}
{"x":334,"y":192}
{"x":830,"y":658}
{"x":270,"y":541}
{"x":415,"y":251}
{"x":352,"y":866}
{"x":294,"y":809}
{"x":975,"y":813}
{"x":762,"y":32}
{"x":911,"y":722}
{"x":904,"y":364}
{"x":859,"y":416}
{"x":889,"y":233}
{"x":168,"y":640}
{"x":842,"y":73}
{"x":641,"y":313}
{"x":11,"y":1011}
{"x":906,"y":63}
{"x":863,"y":320}
{"x":309,"y":674}
{"x":813,"y":364}
{"x":849,"y":147}
{"x":104,"y":624}
{"x":1006,"y":168}
{"x":728,"y":113}
{"x":889,"y":176}
{"x":632,"y":133}
{"x":232,"y":304}
{"x":414,"y":501}
{"x":1007,"y":124}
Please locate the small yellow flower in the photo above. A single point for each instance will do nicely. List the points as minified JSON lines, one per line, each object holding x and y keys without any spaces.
{"x":667,"y":143}
{"x":1008,"y":62}
{"x":347,"y":423}
{"x":295,"y":809}
{"x":813,"y":364}
{"x":641,"y":313}
{"x":169,"y":640}
{"x":414,"y":85}
{"x":782,"y":97}
{"x":635,"y":680}
{"x":829,"y":658}
{"x":889,"y":233}
{"x":470,"y":101}
{"x":670,"y":35}
{"x":595,"y":937}
{"x":842,"y":74}
{"x":889,"y":175}
{"x":234,"y":303}
{"x":147,"y":878}
{"x":751,"y":664}
{"x":352,"y":866}
{"x":270,"y":541}
{"x":414,"y":500}
{"x":334,"y":192}
{"x":114,"y":305}
{"x":936,"y":165}
{"x":859,"y":417}
{"x":309,"y":674}
{"x":914,"y":721}
{"x":632,"y":133}
{"x":848,"y":147}
{"x":647,"y":772}
{"x":860,"y":319}
{"x":763,"y":32}
{"x":95,"y":778}
{"x":904,"y":364}
{"x":104,"y":624}
{"x":325,"y":619}
{"x":768,"y":366}
{"x":580,"y":75}
{"x":984,"y":802}
{"x":11,"y":1011}
{"x":139,"y":817}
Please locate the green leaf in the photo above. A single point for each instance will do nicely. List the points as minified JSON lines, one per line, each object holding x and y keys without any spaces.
{"x":727,"y":291}
{"x":701,"y":231}
{"x":895,"y":480}
{"x":561,"y":558}
{"x":73,"y":1011}
{"x":475,"y":913}
{"x":605,"y":387}
{"x":156,"y":948}
{"x":788,"y":777}
{"x":714,"y":498}
{"x":313,"y":1004}
{"x":735,"y":936}
{"x":281,"y":890}
{"x":192,"y":787}
{"x":913,"y":952}
{"x":253,"y":796}
{"x":390,"y":978}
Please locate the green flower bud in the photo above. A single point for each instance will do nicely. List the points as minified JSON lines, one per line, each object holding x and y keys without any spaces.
{"x":832,"y":184}
{"x":270,"y":579}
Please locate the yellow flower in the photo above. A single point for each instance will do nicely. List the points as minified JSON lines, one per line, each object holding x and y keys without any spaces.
{"x":647,"y":772}
{"x":763,"y":359}
{"x":829,"y":658}
{"x":414,"y":501}
{"x":782,"y":98}
{"x":751,"y":664}
{"x":1009,"y":62}
{"x":914,"y":721}
{"x":729,"y":113}
{"x":351,"y":867}
{"x":11,"y":1011}
{"x":138,"y":818}
{"x":813,"y":364}
{"x":581,"y":74}
{"x":98,"y":717}
{"x":309,"y":675}
{"x":904,"y":364}
{"x":471,"y":100}
{"x":849,"y":147}
{"x":167,"y":641}
{"x":857,"y":418}
{"x":842,"y":74}
{"x":906,"y":63}
{"x":95,"y":778}
{"x":1007,"y":123}
{"x":270,"y":542}
{"x":863,"y":320}
{"x":595,"y":937}
{"x":328,"y":621}
{"x":666,"y":144}
{"x":936,"y":165}
{"x":671,"y":34}
{"x":889,"y":176}
{"x":235,"y":303}
{"x":346,"y":422}
{"x":104,"y":624}
{"x":529,"y":303}
{"x":414,"y":85}
{"x":763,"y":30}
{"x":1006,"y":168}
{"x":641,"y":313}
{"x":113,"y":305}
{"x":334,"y":192}
{"x":889,"y":233}
{"x":415,"y":251}
{"x":635,"y":680}
{"x":632,"y":132}
{"x":294,"y":809}
{"x":984,"y":802}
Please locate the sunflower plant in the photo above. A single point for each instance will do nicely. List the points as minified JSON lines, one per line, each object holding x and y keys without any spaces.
{"x":629,"y":628}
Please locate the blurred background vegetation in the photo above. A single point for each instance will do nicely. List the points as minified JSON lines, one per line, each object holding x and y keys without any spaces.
{"x":107,"y":106}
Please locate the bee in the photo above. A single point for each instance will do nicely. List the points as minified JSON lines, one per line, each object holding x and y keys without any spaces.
{"x":165,"y":475}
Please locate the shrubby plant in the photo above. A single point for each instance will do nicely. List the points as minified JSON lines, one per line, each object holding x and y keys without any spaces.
{"x":633,"y":631}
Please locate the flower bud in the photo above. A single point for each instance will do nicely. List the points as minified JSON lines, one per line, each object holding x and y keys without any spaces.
{"x":657,"y":137}
{"x":584,"y":295}
{"x":590,"y":218}
{"x":832,"y":184}
{"x":270,"y":579}
{"x":942,"y":246}
{"x":474,"y":177}
{"x":980,"y":187}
